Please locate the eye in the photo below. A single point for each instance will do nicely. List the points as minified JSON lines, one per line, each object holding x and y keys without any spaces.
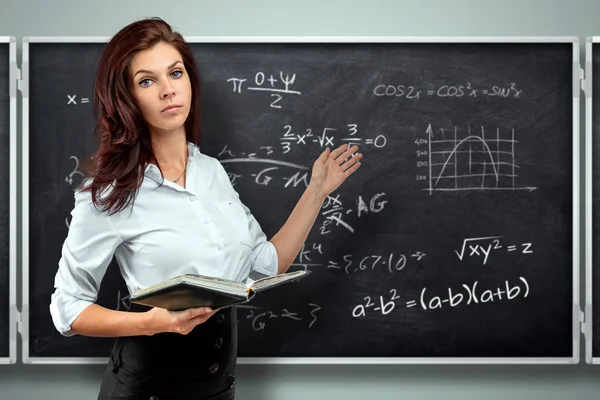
{"x":145,"y":82}
{"x":177,"y":74}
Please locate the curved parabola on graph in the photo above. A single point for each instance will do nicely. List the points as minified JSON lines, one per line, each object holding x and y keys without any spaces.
{"x":456,"y":148}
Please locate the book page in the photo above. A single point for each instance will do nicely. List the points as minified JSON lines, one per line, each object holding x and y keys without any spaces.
{"x":214,"y":282}
{"x":271,"y":281}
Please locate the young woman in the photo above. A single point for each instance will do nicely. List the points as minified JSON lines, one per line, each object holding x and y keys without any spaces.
{"x":163,"y":208}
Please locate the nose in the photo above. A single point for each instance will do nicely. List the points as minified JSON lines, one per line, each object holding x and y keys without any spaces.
{"x":168,"y":92}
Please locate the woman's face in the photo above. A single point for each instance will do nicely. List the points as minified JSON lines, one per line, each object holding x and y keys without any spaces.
{"x":159,"y":81}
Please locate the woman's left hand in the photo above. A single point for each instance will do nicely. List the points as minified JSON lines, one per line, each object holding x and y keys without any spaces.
{"x":333,"y":167}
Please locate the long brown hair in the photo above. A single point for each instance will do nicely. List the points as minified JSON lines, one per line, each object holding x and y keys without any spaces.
{"x":124,"y":147}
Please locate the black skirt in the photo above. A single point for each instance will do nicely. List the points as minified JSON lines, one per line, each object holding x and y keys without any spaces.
{"x":167,"y":366}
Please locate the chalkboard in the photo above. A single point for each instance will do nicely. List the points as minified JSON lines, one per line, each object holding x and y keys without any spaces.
{"x":452,"y":242}
{"x":592,"y":203}
{"x":7,"y":332}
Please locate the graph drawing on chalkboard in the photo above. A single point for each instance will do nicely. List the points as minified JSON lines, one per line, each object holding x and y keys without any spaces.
{"x":444,"y":176}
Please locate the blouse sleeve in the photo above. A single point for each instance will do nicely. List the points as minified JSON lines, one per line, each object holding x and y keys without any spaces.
{"x":264,"y":254}
{"x":86,"y":253}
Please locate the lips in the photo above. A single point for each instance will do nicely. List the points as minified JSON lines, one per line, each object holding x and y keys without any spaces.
{"x":171,"y":107}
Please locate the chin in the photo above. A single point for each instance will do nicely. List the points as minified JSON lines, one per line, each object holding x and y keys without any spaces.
{"x":174,"y":124}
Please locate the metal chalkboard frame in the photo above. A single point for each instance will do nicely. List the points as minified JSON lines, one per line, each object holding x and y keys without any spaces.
{"x":13,"y":313}
{"x":577,"y":314}
{"x":587,"y":327}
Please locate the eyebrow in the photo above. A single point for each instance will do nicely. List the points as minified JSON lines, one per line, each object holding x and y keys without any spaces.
{"x":150,"y":72}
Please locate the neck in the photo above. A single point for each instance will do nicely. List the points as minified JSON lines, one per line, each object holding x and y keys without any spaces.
{"x":170,"y":149}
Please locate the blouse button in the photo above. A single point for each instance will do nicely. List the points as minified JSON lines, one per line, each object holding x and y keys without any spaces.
{"x":218,"y":343}
{"x":219,"y":247}
{"x":192,"y":198}
{"x":220,"y":318}
{"x":213,"y":368}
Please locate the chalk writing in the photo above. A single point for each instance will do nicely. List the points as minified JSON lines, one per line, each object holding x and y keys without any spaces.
{"x":471,"y":295}
{"x":326,"y":137}
{"x":483,"y":250}
{"x":411,"y":92}
{"x":72,"y":100}
{"x":384,"y":305}
{"x":333,"y":210}
{"x":76,"y":171}
{"x":259,"y":317}
{"x":392,"y":262}
{"x":70,"y":180}
{"x":277,"y":85}
{"x":305,"y":254}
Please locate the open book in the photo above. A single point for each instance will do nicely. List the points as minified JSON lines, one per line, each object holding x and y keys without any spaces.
{"x":193,"y":290}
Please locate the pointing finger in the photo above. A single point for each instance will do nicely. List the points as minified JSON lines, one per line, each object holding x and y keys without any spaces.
{"x":345,"y":148}
{"x":324,"y":154}
{"x":351,"y":161}
{"x":348,"y":155}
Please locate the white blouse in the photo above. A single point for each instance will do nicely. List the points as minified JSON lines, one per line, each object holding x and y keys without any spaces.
{"x":170,"y":230}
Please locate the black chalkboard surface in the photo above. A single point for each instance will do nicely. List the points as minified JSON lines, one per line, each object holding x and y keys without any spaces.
{"x":454,"y":239}
{"x":4,"y":199}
